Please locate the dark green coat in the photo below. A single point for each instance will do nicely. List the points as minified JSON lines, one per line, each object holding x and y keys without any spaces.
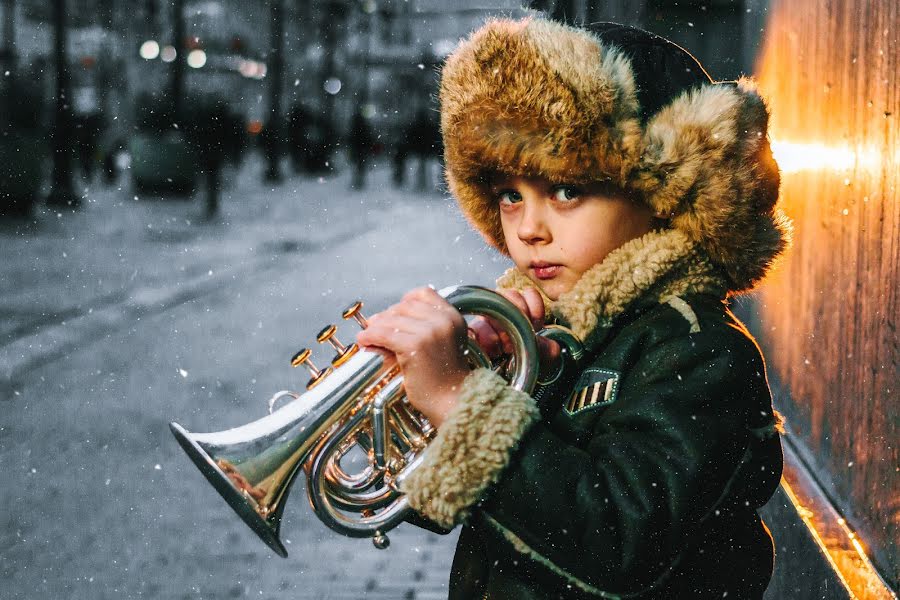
{"x":647,"y":484}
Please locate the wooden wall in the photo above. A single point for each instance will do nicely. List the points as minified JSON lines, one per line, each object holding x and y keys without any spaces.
{"x":829,"y":315}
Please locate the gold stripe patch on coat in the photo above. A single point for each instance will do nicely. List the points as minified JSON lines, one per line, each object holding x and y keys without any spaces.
{"x":596,"y":388}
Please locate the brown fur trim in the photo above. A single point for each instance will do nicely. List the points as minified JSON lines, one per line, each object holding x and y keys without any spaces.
{"x":661,"y":263}
{"x":708,"y":165}
{"x":471,"y":449}
{"x":533,"y":97}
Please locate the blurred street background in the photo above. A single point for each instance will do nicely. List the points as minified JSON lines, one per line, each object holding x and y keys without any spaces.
{"x":191,"y":189}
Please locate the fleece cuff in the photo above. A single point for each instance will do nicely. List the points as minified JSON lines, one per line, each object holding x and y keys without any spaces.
{"x":471,"y":449}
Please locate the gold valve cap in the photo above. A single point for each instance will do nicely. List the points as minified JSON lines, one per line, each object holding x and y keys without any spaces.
{"x":344,"y":356}
{"x":326,"y":333}
{"x":352,"y":310}
{"x":301,"y":357}
{"x":314,"y":381}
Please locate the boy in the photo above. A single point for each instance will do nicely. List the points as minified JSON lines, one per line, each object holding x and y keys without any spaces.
{"x":633,"y":196}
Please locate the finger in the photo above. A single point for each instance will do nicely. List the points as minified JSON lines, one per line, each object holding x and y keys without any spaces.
{"x":391,"y":319}
{"x":506,"y":342}
{"x":384,"y":352}
{"x":548,"y":348}
{"x":438,"y":322}
{"x":424,"y":293}
{"x":435,"y":309}
{"x":516,"y":298}
{"x":392,"y":332}
{"x":535,"y":307}
{"x":486,"y":337}
{"x":391,"y":341}
{"x":389,"y":357}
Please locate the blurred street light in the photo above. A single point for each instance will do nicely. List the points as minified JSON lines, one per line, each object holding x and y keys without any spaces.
{"x":149,"y":50}
{"x":332,"y":85}
{"x":251,"y":69}
{"x":168,"y":54}
{"x":196,"y":58}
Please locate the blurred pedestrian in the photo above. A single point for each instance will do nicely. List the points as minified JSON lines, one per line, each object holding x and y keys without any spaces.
{"x":319,"y":143}
{"x":270,"y":138}
{"x":426,"y":137}
{"x":401,"y":153}
{"x":361,"y":144}
{"x":210,"y":133}
{"x":87,"y":134}
{"x":235,"y":137}
{"x":298,"y":144}
{"x":421,"y":139}
{"x":112,"y":159}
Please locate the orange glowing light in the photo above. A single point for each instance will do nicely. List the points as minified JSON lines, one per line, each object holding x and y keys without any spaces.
{"x":794,"y":157}
{"x":254,"y":127}
{"x":837,"y":542}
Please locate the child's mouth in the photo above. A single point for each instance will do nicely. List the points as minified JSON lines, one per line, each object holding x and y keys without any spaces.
{"x":546,"y":272}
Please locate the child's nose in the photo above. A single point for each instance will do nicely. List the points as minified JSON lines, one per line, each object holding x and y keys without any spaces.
{"x":533,"y":226}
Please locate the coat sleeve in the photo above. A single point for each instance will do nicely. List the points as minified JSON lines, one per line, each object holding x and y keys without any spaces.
{"x":616,"y":510}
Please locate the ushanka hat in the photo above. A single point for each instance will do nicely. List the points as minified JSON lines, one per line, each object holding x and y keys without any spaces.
{"x":613,"y":103}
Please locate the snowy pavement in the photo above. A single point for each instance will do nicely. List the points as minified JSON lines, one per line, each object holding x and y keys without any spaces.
{"x":127,"y":314}
{"x":121,"y":251}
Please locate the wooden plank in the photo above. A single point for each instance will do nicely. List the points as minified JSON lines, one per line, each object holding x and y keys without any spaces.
{"x":829,"y":314}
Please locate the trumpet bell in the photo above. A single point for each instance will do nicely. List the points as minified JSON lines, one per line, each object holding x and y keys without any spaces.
{"x":252,"y":466}
{"x":268,"y":528}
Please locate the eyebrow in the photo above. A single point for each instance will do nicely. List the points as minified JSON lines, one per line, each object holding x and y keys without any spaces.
{"x":498,"y":183}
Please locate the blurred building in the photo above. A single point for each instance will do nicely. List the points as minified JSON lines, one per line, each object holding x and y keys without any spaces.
{"x":399,"y":51}
{"x":378,"y":56}
{"x":722,"y":34}
{"x":118,"y":51}
{"x":384,"y":55}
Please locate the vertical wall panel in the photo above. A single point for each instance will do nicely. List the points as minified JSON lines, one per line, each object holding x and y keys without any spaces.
{"x":829,"y":315}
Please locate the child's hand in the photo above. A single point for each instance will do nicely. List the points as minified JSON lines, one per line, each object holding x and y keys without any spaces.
{"x":495,"y":342}
{"x":427,"y":336}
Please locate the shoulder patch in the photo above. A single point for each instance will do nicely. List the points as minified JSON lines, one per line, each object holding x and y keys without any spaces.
{"x":595,"y":388}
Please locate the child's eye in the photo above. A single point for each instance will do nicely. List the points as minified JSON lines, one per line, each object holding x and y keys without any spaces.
{"x":566,"y":193}
{"x":509,"y":197}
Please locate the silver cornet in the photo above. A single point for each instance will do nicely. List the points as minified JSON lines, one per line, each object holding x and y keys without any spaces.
{"x":356,"y":403}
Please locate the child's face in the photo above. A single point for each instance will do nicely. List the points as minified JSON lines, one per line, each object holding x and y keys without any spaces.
{"x":555,"y":232}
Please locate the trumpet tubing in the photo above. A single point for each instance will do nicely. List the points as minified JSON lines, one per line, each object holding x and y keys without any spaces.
{"x":356,"y":405}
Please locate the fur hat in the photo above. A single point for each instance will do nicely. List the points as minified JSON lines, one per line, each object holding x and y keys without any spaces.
{"x":614,"y":103}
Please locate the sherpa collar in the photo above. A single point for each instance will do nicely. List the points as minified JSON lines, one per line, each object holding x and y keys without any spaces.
{"x":648,"y":269}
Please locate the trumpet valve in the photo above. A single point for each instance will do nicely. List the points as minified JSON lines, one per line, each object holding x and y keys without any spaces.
{"x":316,"y":375}
{"x":343,"y":352}
{"x":354,"y":312}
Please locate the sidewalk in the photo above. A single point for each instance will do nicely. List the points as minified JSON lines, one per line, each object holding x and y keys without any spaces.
{"x":70,"y":274}
{"x":195,"y":323}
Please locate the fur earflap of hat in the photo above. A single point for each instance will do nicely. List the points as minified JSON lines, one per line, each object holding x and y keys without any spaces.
{"x":532,"y":97}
